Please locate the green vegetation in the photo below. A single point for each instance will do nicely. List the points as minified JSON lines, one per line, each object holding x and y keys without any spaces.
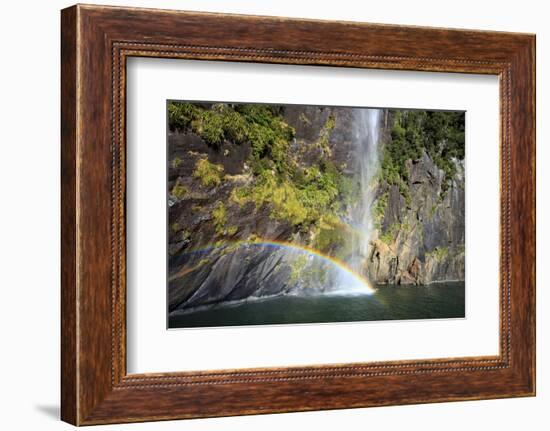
{"x":269,"y":135}
{"x":213,"y":125}
{"x":282,"y":195}
{"x":232,"y":230}
{"x":439,"y":134}
{"x":379,"y":209}
{"x":261,"y":125}
{"x":295,"y":193}
{"x":202,"y":262}
{"x":208,"y":173}
{"x":389,"y":235}
{"x":176,"y":162}
{"x":303,"y":118}
{"x":179,"y":191}
{"x":219,"y":215}
{"x":325,"y":135}
{"x":253,"y":238}
{"x":185,"y":235}
{"x":439,"y":253}
{"x":301,"y":196}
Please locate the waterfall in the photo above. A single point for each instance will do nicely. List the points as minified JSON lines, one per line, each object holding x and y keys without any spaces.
{"x":321,"y":273}
{"x":366,"y":137}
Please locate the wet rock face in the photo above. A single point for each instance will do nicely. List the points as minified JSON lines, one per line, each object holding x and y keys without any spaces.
{"x":428,"y":232}
{"x":223,"y":276}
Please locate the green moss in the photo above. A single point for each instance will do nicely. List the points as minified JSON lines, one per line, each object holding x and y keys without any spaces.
{"x":379,"y":209}
{"x":281,"y":195}
{"x":179,"y":191}
{"x":175,"y":227}
{"x":209,"y":126}
{"x":219,"y":214}
{"x":208,"y":173}
{"x":324,"y":135}
{"x":253,"y":238}
{"x":227,"y":247}
{"x":330,"y":123}
{"x":390,"y":234}
{"x":185,"y":235}
{"x":386,"y":238}
{"x":203,"y":262}
{"x":438,"y":254}
{"x":303,"y":118}
{"x":176,"y":162}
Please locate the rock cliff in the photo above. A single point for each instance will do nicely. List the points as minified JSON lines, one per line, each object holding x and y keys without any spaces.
{"x":422,"y":241}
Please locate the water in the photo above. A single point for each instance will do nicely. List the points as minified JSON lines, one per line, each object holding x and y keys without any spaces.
{"x":441,"y":300}
{"x":366,"y":137}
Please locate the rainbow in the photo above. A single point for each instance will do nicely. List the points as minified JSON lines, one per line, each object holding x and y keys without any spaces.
{"x":360,"y":280}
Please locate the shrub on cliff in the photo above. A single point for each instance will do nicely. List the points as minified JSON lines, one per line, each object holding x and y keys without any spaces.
{"x":208,"y":173}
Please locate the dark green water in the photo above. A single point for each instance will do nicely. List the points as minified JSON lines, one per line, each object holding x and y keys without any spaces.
{"x":442,"y":300}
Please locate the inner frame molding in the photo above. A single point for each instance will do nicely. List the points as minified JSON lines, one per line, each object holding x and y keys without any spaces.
{"x":121,"y":52}
{"x":96,"y":42}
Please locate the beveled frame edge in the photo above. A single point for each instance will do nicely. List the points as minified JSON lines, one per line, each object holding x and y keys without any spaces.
{"x":96,"y":41}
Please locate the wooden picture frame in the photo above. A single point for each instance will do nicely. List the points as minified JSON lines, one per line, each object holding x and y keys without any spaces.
{"x":95,"y":43}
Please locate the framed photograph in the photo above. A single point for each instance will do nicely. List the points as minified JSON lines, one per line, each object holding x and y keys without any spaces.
{"x":266,"y":215}
{"x":282,"y":214}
